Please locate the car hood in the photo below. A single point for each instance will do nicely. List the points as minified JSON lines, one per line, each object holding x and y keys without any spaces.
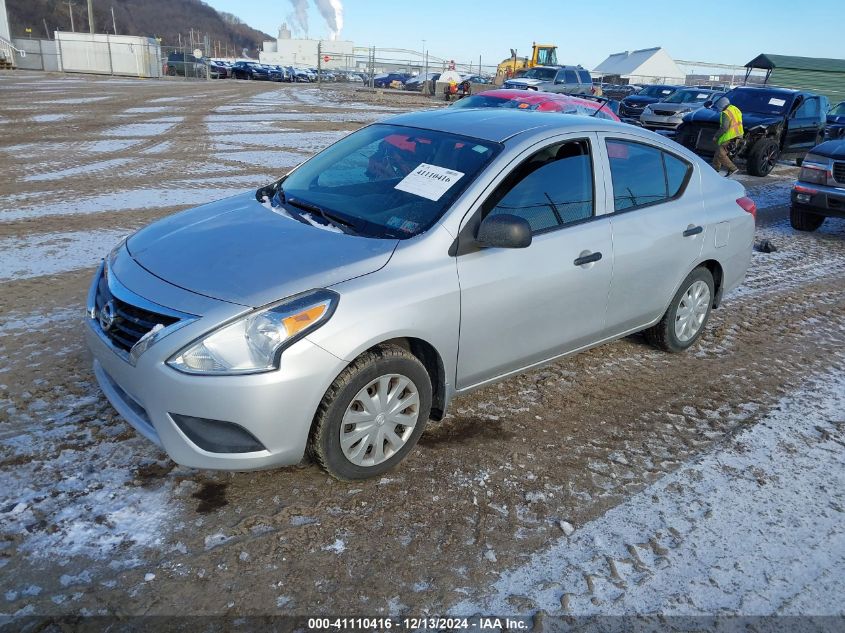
{"x":749,"y":119}
{"x":831,"y":149}
{"x":525,"y":82}
{"x":238,"y":250}
{"x":677,"y":108}
{"x":836,"y":118}
{"x":639,"y":100}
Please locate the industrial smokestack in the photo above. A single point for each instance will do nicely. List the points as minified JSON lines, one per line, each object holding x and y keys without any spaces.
{"x":332,"y":12}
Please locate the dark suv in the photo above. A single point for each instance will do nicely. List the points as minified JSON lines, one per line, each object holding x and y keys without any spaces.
{"x":778,"y":123}
{"x":187,"y":65}
{"x":820,"y":190}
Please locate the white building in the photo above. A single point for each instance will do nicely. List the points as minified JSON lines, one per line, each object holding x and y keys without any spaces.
{"x":288,"y":51}
{"x":645,"y":66}
{"x":4,"y":22}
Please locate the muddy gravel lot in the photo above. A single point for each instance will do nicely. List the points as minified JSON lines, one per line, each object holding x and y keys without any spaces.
{"x":96,"y":520}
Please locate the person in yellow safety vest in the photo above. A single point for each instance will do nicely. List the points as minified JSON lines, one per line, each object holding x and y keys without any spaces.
{"x":730,"y":127}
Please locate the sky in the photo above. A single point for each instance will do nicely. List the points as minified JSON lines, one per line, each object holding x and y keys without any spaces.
{"x":586,"y":32}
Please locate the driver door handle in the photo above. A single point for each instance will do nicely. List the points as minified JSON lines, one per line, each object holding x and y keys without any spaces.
{"x":587,"y":259}
{"x":693,"y":230}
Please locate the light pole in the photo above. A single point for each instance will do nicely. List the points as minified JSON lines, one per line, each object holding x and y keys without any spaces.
{"x":425,"y":73}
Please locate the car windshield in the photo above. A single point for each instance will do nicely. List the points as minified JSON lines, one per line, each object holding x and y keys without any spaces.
{"x":545,"y":74}
{"x":656,"y":91}
{"x":689,"y":96}
{"x":760,"y":101}
{"x":481,"y":101}
{"x":838,"y":109}
{"x":386,"y":180}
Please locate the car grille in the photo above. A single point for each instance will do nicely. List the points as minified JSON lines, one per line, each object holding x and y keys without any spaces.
{"x":130,"y":322}
{"x":839,"y":172}
{"x":665,"y":112}
{"x":631,"y":110}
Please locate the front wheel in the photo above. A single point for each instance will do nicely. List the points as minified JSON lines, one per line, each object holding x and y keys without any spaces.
{"x":372,"y":415}
{"x":804,"y":220}
{"x":763,"y":157}
{"x":684,"y":320}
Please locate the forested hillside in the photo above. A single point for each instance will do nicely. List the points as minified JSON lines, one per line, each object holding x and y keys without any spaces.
{"x":170,"y":20}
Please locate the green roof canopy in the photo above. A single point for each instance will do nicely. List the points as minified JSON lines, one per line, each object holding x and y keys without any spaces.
{"x":770,"y":62}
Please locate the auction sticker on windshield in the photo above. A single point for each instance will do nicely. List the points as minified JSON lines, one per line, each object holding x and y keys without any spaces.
{"x":429,"y":181}
{"x":777,"y":102}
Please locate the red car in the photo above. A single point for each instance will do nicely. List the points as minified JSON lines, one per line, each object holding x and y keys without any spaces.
{"x":538,"y":101}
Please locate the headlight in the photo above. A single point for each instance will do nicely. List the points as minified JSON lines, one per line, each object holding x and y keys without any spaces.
{"x":254,"y":343}
{"x":814,"y":169}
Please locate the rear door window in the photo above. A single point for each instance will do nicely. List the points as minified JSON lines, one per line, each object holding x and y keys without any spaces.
{"x":571,"y":77}
{"x":643,"y":175}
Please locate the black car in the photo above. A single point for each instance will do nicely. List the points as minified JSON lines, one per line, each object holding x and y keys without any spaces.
{"x":778,"y":123}
{"x":632,"y":106}
{"x":820,"y":190}
{"x":836,"y":121}
{"x":250,"y":70}
{"x":384,"y":81}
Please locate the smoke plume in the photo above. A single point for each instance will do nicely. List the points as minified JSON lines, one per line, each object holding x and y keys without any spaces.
{"x":332,"y":12}
{"x":299,"y":18}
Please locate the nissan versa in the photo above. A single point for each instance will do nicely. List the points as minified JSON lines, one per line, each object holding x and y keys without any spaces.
{"x":340,"y":308}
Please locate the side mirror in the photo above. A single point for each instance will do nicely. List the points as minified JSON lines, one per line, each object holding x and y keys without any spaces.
{"x":708,"y":104}
{"x":504,"y":231}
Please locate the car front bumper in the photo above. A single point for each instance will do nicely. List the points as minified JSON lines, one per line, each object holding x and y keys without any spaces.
{"x":820,"y":199}
{"x":275,"y":407}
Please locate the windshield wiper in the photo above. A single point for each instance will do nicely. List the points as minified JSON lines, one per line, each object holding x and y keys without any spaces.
{"x":345,"y":225}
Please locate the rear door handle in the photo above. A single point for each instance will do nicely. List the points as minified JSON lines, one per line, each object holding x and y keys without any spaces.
{"x":693,"y":230}
{"x":587,"y":259}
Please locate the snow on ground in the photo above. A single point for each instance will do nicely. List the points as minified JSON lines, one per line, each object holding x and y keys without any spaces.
{"x":263,"y":158}
{"x":150,"y":128}
{"x":755,"y":527}
{"x":309,"y":142}
{"x":52,"y":253}
{"x":105,"y":165}
{"x":123,"y":201}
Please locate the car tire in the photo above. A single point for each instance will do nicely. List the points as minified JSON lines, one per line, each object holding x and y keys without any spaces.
{"x":381,"y":371}
{"x":804,"y":220}
{"x":762,"y":157}
{"x":687,"y":315}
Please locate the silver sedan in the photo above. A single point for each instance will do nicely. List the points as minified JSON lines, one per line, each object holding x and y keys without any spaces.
{"x":340,"y":308}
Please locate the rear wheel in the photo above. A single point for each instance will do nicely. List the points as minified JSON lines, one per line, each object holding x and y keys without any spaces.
{"x":684,"y":320}
{"x":804,"y":220}
{"x":372,"y":415}
{"x":763,"y":157}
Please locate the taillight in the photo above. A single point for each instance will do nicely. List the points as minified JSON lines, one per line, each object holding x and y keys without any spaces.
{"x":748,"y":205}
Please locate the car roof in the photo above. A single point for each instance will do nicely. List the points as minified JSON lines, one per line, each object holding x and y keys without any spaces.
{"x":496,"y":124}
{"x":772,"y":89}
